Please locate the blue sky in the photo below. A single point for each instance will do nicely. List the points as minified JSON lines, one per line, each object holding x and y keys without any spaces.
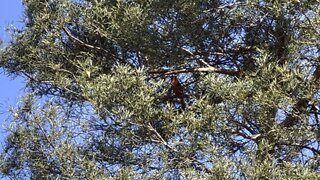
{"x":11,"y":89}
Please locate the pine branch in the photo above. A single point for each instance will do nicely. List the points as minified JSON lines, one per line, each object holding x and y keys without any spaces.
{"x":67,"y":31}
{"x":194,"y":70}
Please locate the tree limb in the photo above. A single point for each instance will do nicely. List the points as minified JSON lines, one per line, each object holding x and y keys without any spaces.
{"x":193,"y":70}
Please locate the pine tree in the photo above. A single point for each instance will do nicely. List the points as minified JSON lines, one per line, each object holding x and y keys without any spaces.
{"x":100,"y":104}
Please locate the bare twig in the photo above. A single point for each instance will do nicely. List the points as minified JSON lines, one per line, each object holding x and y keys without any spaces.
{"x":314,"y":150}
{"x":52,"y":83}
{"x":230,"y":5}
{"x":160,"y":138}
{"x":45,"y":136}
{"x":200,"y":59}
{"x":193,"y":70}
{"x":188,"y":51}
{"x":67,"y":31}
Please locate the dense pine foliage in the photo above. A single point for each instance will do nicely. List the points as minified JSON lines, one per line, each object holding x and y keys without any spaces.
{"x":100,"y":104}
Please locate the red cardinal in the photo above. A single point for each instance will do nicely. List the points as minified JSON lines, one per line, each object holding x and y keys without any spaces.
{"x":178,"y":90}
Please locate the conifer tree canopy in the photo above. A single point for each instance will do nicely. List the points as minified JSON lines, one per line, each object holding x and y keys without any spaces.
{"x":99,"y":101}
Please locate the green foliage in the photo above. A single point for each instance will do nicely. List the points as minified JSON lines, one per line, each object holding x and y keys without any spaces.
{"x":100,"y":103}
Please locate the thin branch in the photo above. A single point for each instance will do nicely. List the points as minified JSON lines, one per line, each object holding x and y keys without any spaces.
{"x":52,"y":83}
{"x":160,"y":138}
{"x":301,"y":104}
{"x":311,"y":23}
{"x":67,"y":31}
{"x":314,"y":150}
{"x":36,"y":80}
{"x":200,"y":59}
{"x":193,"y":70}
{"x":231,"y":5}
{"x":187,"y":51}
{"x":45,"y":136}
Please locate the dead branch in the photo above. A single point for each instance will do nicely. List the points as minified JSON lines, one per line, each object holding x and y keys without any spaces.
{"x":193,"y":70}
